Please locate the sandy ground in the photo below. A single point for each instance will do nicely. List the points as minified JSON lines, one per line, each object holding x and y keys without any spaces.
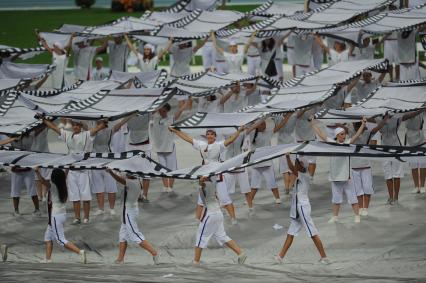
{"x":387,"y":246}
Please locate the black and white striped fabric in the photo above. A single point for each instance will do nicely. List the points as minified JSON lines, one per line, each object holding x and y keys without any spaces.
{"x":271,"y":8}
{"x":52,"y":92}
{"x":6,"y":85}
{"x":122,"y":25}
{"x":9,"y":70}
{"x":192,"y":5}
{"x":64,"y":37}
{"x":393,"y":98}
{"x":206,"y":83}
{"x":23,"y":53}
{"x":141,"y":79}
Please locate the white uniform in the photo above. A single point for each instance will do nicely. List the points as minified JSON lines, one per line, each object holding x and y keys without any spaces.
{"x":391,"y":49}
{"x":57,"y":218}
{"x":147,"y":65}
{"x":361,"y":173}
{"x":181,"y":59}
{"x":304,"y":132}
{"x":235,"y":102}
{"x":362,"y":90}
{"x":99,"y":74}
{"x":300,"y":211}
{"x":58,"y":75}
{"x":129,"y":231}
{"x":213,"y":153}
{"x":286,"y":136}
{"x":265,"y":169}
{"x":392,"y":169}
{"x":118,"y":54}
{"x":240,"y":176}
{"x":211,"y":224}
{"x":208,"y":55}
{"x":317,"y":55}
{"x":234,"y":61}
{"x":83,"y":58}
{"x":290,"y":49}
{"x":303,"y":54}
{"x":163,"y":140}
{"x":336,"y":57}
{"x":21,"y":178}
{"x":138,"y":137}
{"x":407,"y":55}
{"x":78,"y":180}
{"x":415,"y":136}
{"x":40,"y":144}
{"x":279,"y":57}
{"x":340,"y":178}
{"x":253,"y":60}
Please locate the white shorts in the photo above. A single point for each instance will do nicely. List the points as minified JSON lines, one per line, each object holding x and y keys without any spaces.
{"x":337,"y":189}
{"x":129,"y":231}
{"x":303,"y":70}
{"x":393,"y":169}
{"x":118,"y":141}
{"x":391,"y":51}
{"x":304,"y":220}
{"x":168,"y":159}
{"x":55,"y":231}
{"x":23,"y":179}
{"x":363,"y":181}
{"x":241,"y":178}
{"x":253,"y":65}
{"x":284,"y":165}
{"x":290,"y":55}
{"x":102,"y":182}
{"x":317,"y":60}
{"x":208,"y":57}
{"x":409,"y":72}
{"x":311,"y":159}
{"x":45,"y":173}
{"x":78,"y":186}
{"x":279,"y":66}
{"x":221,"y":67}
{"x":267,"y":173}
{"x":212,"y":225}
{"x":415,"y":165}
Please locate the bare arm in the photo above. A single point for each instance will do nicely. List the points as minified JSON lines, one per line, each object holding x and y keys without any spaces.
{"x":291,"y":165}
{"x":95,"y":130}
{"x":254,"y":126}
{"x":282,"y":123}
{"x":317,"y":130}
{"x":43,"y":41}
{"x":162,"y":52}
{"x":182,"y":135}
{"x":218,"y":48}
{"x":360,"y":130}
{"x":103,"y":47}
{"x":381,"y":124}
{"x":181,"y":109}
{"x":227,"y":96}
{"x":51,"y":126}
{"x":68,"y":47}
{"x":411,"y":115}
{"x":116,"y":177}
{"x":41,"y":178}
{"x":232,"y":138}
{"x":321,"y":44}
{"x":199,"y":45}
{"x":381,"y":77}
{"x":123,"y":121}
{"x":130,"y":44}
{"x":7,"y":141}
{"x":249,"y":42}
{"x":353,"y":84}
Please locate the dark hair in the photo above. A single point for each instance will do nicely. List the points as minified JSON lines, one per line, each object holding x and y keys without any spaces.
{"x":268,"y":44}
{"x":406,"y":34}
{"x":149,"y":57}
{"x":60,"y":180}
{"x":167,"y":107}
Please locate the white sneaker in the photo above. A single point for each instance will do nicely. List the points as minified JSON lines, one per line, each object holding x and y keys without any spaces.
{"x":357,"y":219}
{"x":251,"y":212}
{"x":98,"y":212}
{"x":277,"y":201}
{"x":119,"y":261}
{"x":76,"y":221}
{"x":85,"y":221}
{"x":46,"y":260}
{"x":415,"y":191}
{"x":242,"y":258}
{"x":3,"y":252}
{"x":83,"y":257}
{"x":363,"y":212}
{"x":112,"y":212}
{"x":164,"y":189}
{"x":169,"y":190}
{"x":234,"y":221}
{"x":156,"y":259}
{"x":324,"y":261}
{"x":422,"y":190}
{"x":37,"y":213}
{"x":333,"y":219}
{"x":278,"y":259}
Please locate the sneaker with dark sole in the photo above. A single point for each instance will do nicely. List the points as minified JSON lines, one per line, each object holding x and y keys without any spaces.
{"x":83,"y":257}
{"x":242,"y":258}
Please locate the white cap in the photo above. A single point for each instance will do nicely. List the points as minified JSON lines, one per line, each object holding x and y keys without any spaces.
{"x":99,"y":59}
{"x":58,"y":44}
{"x":338,"y":131}
{"x":232,"y":43}
{"x":150,"y":46}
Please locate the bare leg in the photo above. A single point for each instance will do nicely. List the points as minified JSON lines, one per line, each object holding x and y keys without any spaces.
{"x":171,"y":182}
{"x":286,"y":246}
{"x":396,"y":186}
{"x":111,"y":200}
{"x":311,"y":169}
{"x":231,"y":210}
{"x":422,"y":177}
{"x":197,"y":254}
{"x":122,"y":247}
{"x":199,"y":212}
{"x":145,"y":186}
{"x":39,"y":187}
{"x":234,"y":247}
{"x":287,"y":180}
{"x":77,"y":206}
{"x":293,"y":70}
{"x":71,"y":247}
{"x":367,"y":201}
{"x":355,"y":208}
{"x":101,"y":200}
{"x":49,"y":249}
{"x":318,"y":244}
{"x":147,"y":246}
{"x":361,"y":201}
{"x":165,"y":182}
{"x":253,"y":194}
{"x":16,"y":204}
{"x":86,"y":208}
{"x":336,"y":208}
{"x":415,"y":173}
{"x":389,"y":184}
{"x":35,"y":202}
{"x":276,"y":193}
{"x":248,"y":200}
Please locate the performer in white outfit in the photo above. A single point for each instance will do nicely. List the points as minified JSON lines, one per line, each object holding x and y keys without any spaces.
{"x":390,"y":50}
{"x":83,"y":57}
{"x":340,"y":176}
{"x":118,"y":52}
{"x":78,"y":141}
{"x":40,"y":144}
{"x":253,"y":56}
{"x":129,"y":231}
{"x":300,"y":210}
{"x":211,"y":151}
{"x":99,"y":73}
{"x":60,"y":56}
{"x":339,"y":52}
{"x":303,"y":58}
{"x":407,"y":55}
{"x":148,"y":61}
{"x":57,"y":212}
{"x":211,"y":222}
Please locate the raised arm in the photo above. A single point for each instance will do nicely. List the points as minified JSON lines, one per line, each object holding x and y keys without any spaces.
{"x":321,"y":44}
{"x":227,"y":96}
{"x":123,"y":121}
{"x":51,"y":126}
{"x":317,"y":130}
{"x":283,"y":122}
{"x":411,"y":115}
{"x":42,"y":41}
{"x":101,"y":126}
{"x":291,"y":165}
{"x":249,"y":41}
{"x":69,"y":44}
{"x":381,"y":77}
{"x":116,"y":177}
{"x":381,"y":124}
{"x":353,"y":84}
{"x":181,"y":135}
{"x":199,"y":45}
{"x":218,"y":48}
{"x":254,"y":126}
{"x":232,"y":138}
{"x":7,"y":141}
{"x":182,"y":108}
{"x":130,"y":44}
{"x":41,"y":178}
{"x":166,"y":49}
{"x":360,"y":130}
{"x":103,"y":47}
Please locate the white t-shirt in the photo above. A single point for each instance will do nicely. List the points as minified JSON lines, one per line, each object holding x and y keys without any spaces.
{"x":163,"y":139}
{"x":181,"y":59}
{"x":58,"y":75}
{"x":132,"y":190}
{"x":118,"y":54}
{"x":138,"y":127}
{"x":260,"y":140}
{"x":303,"y":50}
{"x":77,"y":143}
{"x":390,"y":132}
{"x":339,"y":165}
{"x":102,"y":141}
{"x":303,"y":130}
{"x":362,"y":90}
{"x":336,"y":57}
{"x":57,"y":206}
{"x":235,"y":61}
{"x":415,"y":135}
{"x":209,"y":152}
{"x":285,"y":134}
{"x":407,"y":47}
{"x":147,"y":65}
{"x":99,"y":74}
{"x":83,"y":58}
{"x":235,"y":102}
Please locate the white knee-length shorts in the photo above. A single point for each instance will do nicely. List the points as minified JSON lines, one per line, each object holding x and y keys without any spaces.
{"x":55,"y":231}
{"x":102,"y":182}
{"x":78,"y":186}
{"x":304,"y":220}
{"x":129,"y":231}
{"x":267,"y":173}
{"x":340,"y":187}
{"x":253,"y":65}
{"x":363,"y":181}
{"x":168,"y":159}
{"x":241,"y":178}
{"x":211,"y":226}
{"x":20,"y":180}
{"x":208,"y":56}
{"x":393,"y":169}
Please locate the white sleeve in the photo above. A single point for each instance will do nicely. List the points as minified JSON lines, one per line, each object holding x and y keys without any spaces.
{"x":63,"y":135}
{"x":198,"y":144}
{"x":222,"y":146}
